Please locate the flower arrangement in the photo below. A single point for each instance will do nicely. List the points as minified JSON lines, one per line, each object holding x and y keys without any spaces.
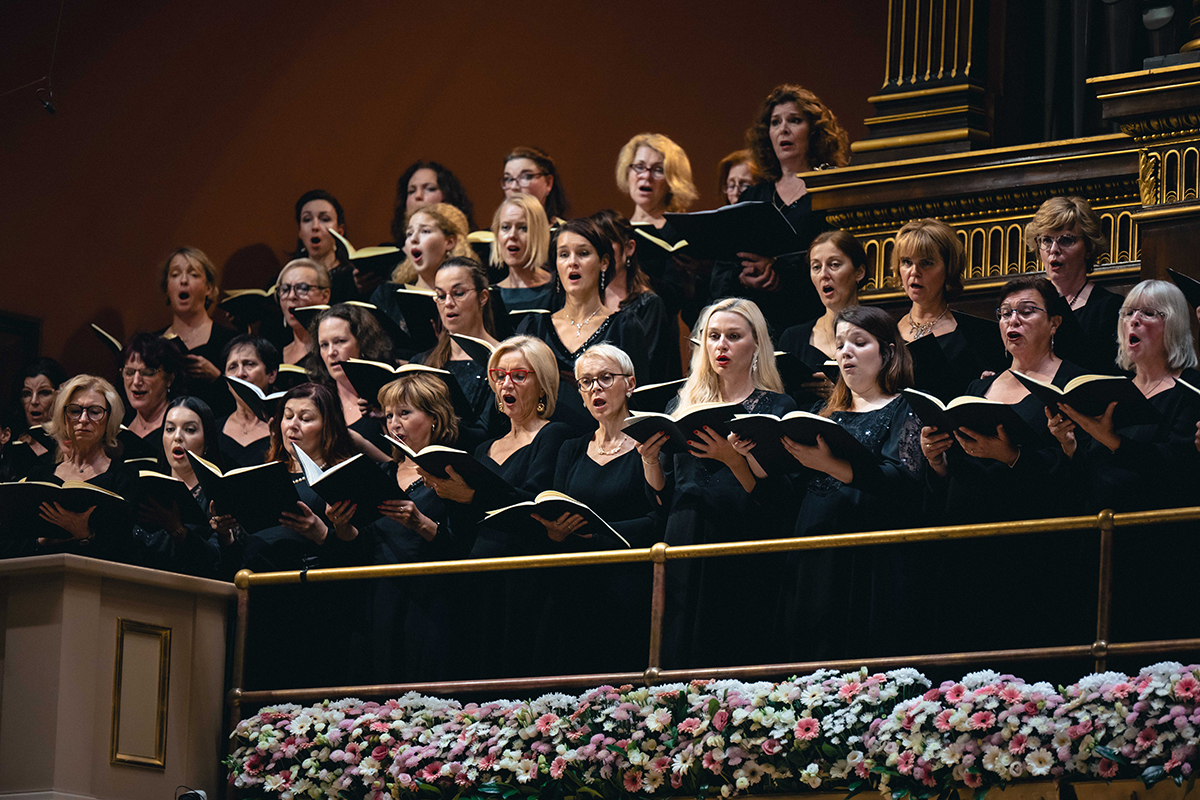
{"x":848,"y":732}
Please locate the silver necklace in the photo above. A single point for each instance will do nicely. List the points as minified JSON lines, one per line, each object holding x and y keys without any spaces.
{"x":924,"y":328}
{"x":1071,"y":302}
{"x":579,"y":325}
{"x":620,"y":443}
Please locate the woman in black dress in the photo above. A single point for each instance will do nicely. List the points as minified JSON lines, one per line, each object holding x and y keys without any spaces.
{"x":630,"y":291}
{"x":521,"y":246}
{"x":242,"y":436}
{"x":850,"y":602}
{"x":929,"y":260}
{"x":794,"y":132}
{"x":528,"y":170}
{"x":318,"y":212}
{"x":85,"y":420}
{"x":40,"y":380}
{"x":309,"y":418}
{"x":167,"y":539}
{"x":838,"y":267}
{"x":411,"y":617}
{"x":1068,"y":237}
{"x":584,"y":261}
{"x":190,"y":283}
{"x":979,"y":476}
{"x":1154,"y":464}
{"x":150,"y":367}
{"x":713,"y":496}
{"x":340,"y":333}
{"x":464,"y":308}
{"x":604,"y":472}
{"x":524,"y":376}
{"x":302,"y":282}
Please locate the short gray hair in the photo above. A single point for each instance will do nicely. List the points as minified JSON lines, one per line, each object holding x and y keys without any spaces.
{"x":609,"y":351}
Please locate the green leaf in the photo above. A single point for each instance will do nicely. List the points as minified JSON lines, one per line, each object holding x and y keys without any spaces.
{"x":1111,"y":755}
{"x":1153,"y":775}
{"x":490,"y":788}
{"x":589,"y":790}
{"x":981,"y":792}
{"x":714,"y":705}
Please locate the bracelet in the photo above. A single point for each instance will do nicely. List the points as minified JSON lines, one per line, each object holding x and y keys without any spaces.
{"x":1015,"y":460}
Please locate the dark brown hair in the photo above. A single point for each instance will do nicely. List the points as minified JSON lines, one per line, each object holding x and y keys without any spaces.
{"x":373,"y":342}
{"x":556,"y":200}
{"x":849,"y":245}
{"x":440,"y":353}
{"x":895,"y":373}
{"x":588,"y":229}
{"x":828,"y":142}
{"x":619,"y":229}
{"x":336,"y":444}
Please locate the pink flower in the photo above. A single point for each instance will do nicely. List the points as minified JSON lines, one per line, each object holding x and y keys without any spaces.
{"x":720,"y":719}
{"x":1010,"y":694}
{"x":904,"y":764}
{"x":676,"y":780}
{"x":848,"y":690}
{"x":942,"y":720}
{"x":711,"y":763}
{"x":545,"y":721}
{"x":955,"y":693}
{"x":982,"y":719}
{"x":972,"y":779}
{"x":807,"y":728}
{"x":1018,"y":743}
{"x":1107,"y":769}
{"x":1187,"y":688}
{"x":557,"y":766}
{"x":771,"y":746}
{"x":379,"y":753}
{"x":633,"y":780}
{"x":1146,"y":738}
{"x":689,"y":725}
{"x":932,"y":694}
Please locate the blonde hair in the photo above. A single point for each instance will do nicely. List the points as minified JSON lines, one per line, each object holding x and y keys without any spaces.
{"x":211,"y":277}
{"x":1166,"y":297}
{"x":450,"y":221}
{"x":703,"y":385}
{"x":428,"y":395}
{"x":932,"y":237}
{"x":58,"y":426}
{"x":317,"y":267}
{"x":538,"y":250}
{"x":677,"y":170}
{"x":1067,"y":212}
{"x":540,"y":358}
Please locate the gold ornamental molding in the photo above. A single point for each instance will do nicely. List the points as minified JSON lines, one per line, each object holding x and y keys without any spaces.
{"x":915,"y":139}
{"x":1188,"y":210}
{"x":1148,"y":174}
{"x":1167,"y":126}
{"x":917,"y":94}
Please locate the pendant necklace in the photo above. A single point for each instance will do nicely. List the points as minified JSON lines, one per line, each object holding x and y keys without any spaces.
{"x":924,"y":328}
{"x":579,"y":325}
{"x":615,"y":450}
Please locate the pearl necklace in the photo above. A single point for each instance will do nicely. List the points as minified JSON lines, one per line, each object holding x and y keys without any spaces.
{"x":924,"y":328}
{"x":579,"y":325}
{"x":620,"y":444}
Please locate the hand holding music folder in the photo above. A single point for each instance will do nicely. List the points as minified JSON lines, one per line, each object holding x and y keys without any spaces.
{"x":679,"y":426}
{"x":357,"y":479}
{"x":803,"y":427}
{"x":1090,"y":395}
{"x":974,"y":413}
{"x":255,"y":496}
{"x":552,"y":505}
{"x":20,"y":506}
{"x":435,"y":458}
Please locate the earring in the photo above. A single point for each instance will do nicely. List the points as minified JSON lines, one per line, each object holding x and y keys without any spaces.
{"x":541,"y":406}
{"x":754,"y":363}
{"x":499,"y":405}
{"x":602,"y":281}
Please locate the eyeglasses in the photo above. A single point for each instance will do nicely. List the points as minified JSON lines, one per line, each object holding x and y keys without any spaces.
{"x":518,"y":376}
{"x":523,"y":180}
{"x":145,"y":372}
{"x":1064,"y":242}
{"x":299,"y":288}
{"x":1147,"y":313}
{"x":657,"y":172}
{"x":1025,"y":311}
{"x":738,"y":186}
{"x":457,"y":295}
{"x":604,"y":381}
{"x":94,"y":413}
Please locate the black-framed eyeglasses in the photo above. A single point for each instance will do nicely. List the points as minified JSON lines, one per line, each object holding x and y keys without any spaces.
{"x":94,"y":413}
{"x":145,"y":372}
{"x":1064,"y":242}
{"x":657,"y":172}
{"x":1147,"y":313}
{"x":604,"y":380}
{"x":523,"y":180}
{"x":1025,"y":311}
{"x":299,"y":288}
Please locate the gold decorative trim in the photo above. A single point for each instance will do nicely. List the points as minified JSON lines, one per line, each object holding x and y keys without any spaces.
{"x":933,"y":112}
{"x":1190,"y":209}
{"x":117,"y":755}
{"x":1168,"y":126}
{"x":911,"y":140}
{"x":1120,"y":76}
{"x":919,"y":93}
{"x":1168,"y":87}
{"x":1148,"y":176}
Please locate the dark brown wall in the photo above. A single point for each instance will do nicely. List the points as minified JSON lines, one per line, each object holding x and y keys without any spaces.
{"x":200,"y":123}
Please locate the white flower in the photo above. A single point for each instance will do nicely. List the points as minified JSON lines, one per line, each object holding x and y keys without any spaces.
{"x":742,"y":783}
{"x":368,"y":767}
{"x":1039,"y":762}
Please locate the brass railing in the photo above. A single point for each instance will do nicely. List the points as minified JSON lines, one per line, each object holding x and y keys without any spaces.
{"x":1099,"y":649}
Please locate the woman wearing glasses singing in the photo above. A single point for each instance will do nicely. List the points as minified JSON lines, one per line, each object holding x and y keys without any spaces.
{"x":527,"y":170}
{"x":524,"y":378}
{"x":1130,"y":467}
{"x":1068,"y":238}
{"x":85,"y":420}
{"x":301,"y":283}
{"x":464,"y":307}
